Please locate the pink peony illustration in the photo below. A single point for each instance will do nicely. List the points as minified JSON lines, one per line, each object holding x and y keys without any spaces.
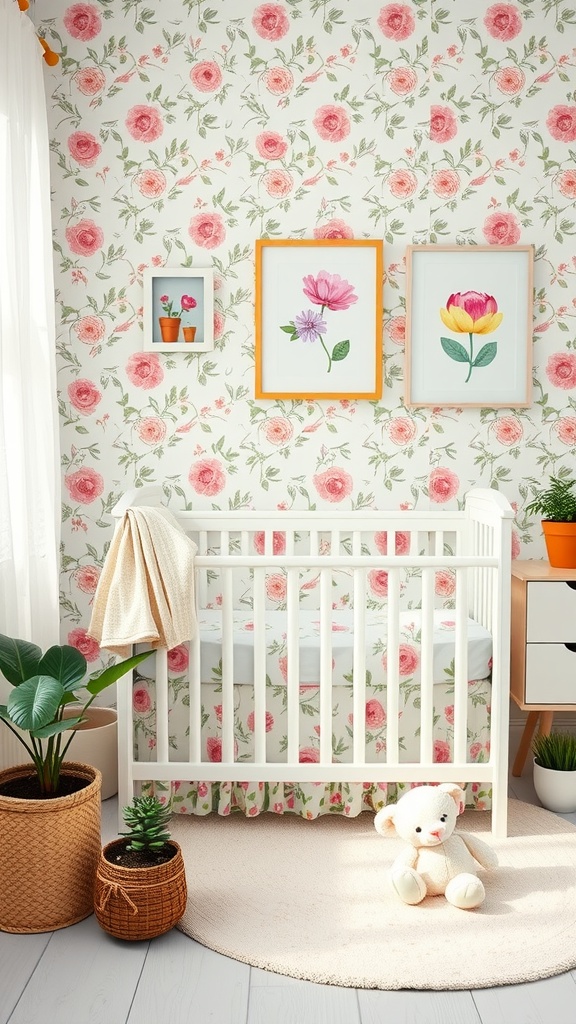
{"x":144,"y":370}
{"x":207,"y":477}
{"x":396,"y":21}
{"x":378,"y":582}
{"x":79,"y":639}
{"x":151,"y":183}
{"x":402,"y":81}
{"x":510,"y":80}
{"x":401,"y":543}
{"x":206,"y":76}
{"x":445,"y":183}
{"x":471,"y":313}
{"x":276,"y":587}
{"x":84,"y":395}
{"x":207,"y":230}
{"x":278,"y":430}
{"x":332,"y":123}
{"x":84,"y":148}
{"x":141,"y":700}
{"x":515,"y":545}
{"x":84,"y":238}
{"x":178,"y":659}
{"x":329,"y":291}
{"x":561,"y":123}
{"x":566,"y":430}
{"x":503,"y":22}
{"x":335,"y":228}
{"x":151,"y":429}
{"x":397,"y":330}
{"x":271,"y":145}
{"x":443,"y":124}
{"x":333,"y":484}
{"x":214,"y":748}
{"x":90,"y":329}
{"x":508,"y":430}
{"x":566,"y":182}
{"x":279,"y":81}
{"x":219,"y":324}
{"x":278,"y":183}
{"x":375,"y":714}
{"x":86,"y":578}
{"x":308,"y":755}
{"x":84,"y":485}
{"x":270,"y":21}
{"x":402,"y":183}
{"x":561,"y":370}
{"x":443,"y":485}
{"x":444,"y":583}
{"x":83,"y":21}
{"x":278,"y":542}
{"x":144,"y":123}
{"x":501,"y":229}
{"x":269,"y":721}
{"x":402,"y":430}
{"x":441,"y":752}
{"x":89,"y":81}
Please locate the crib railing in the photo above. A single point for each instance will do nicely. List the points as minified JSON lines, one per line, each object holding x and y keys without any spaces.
{"x":473,"y":544}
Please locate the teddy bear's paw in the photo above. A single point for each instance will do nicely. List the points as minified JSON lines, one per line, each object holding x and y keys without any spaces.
{"x":408,"y":885}
{"x":465,"y":891}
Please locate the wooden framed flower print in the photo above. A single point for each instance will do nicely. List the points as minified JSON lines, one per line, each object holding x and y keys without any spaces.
{"x":318,"y":318}
{"x":469,"y":325}
{"x":178,"y":309}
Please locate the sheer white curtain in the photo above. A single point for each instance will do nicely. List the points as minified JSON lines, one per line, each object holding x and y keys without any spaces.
{"x":29,"y":470}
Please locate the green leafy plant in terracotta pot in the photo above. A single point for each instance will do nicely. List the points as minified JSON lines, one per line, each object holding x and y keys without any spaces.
{"x":140,"y":887}
{"x":49,"y":809}
{"x":555,"y":771}
{"x":556,"y":504}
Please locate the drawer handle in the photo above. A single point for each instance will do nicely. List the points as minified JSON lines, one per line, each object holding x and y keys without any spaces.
{"x":571,"y":647}
{"x":571,"y":584}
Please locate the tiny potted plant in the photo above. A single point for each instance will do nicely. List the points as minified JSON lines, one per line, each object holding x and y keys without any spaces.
{"x":141,"y":880}
{"x":49,"y":808}
{"x":555,"y":771}
{"x":556,"y":504}
{"x":170,"y":322}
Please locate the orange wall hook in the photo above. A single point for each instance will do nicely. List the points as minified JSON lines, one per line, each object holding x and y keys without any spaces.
{"x":50,"y":57}
{"x":23,"y":5}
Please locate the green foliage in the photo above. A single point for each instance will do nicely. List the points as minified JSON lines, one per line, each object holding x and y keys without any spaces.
{"x":44,"y":685}
{"x":147,"y":819}
{"x":556,"y":502}
{"x":556,"y":751}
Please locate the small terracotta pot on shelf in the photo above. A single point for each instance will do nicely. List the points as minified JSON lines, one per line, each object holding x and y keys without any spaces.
{"x":169,"y":327}
{"x":189,"y":333}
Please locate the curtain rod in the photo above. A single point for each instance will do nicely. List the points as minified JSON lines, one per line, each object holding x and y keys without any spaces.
{"x":50,"y":57}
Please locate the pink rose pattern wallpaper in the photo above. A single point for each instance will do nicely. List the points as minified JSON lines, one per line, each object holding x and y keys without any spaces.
{"x":183,"y":131}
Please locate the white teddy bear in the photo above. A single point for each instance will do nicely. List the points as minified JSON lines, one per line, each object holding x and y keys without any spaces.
{"x":437,"y":861}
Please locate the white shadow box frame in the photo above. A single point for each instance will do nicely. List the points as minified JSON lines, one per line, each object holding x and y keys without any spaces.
{"x":195,"y":283}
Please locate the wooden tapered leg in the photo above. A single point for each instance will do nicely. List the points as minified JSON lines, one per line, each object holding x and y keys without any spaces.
{"x":546,"y":721}
{"x":526,"y":741}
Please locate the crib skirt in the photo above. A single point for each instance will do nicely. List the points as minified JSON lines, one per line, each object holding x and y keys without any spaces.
{"x":309,"y":800}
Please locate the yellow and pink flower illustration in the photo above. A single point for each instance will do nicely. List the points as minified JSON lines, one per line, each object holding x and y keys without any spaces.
{"x":470,"y":313}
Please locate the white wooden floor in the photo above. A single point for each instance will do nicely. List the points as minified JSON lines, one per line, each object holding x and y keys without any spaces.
{"x":79,"y":975}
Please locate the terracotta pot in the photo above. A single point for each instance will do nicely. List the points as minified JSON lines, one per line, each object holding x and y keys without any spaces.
{"x":189,"y":333}
{"x":49,"y":852}
{"x":169,"y":327}
{"x":560,"y":543}
{"x":139,"y":903}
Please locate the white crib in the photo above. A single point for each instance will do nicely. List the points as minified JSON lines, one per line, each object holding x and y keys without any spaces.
{"x":473,"y":545}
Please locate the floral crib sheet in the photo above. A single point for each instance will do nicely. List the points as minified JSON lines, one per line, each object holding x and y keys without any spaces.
{"x":313,"y":799}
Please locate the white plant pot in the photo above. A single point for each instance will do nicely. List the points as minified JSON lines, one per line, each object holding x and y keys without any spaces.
{"x":96,"y":743}
{"x":555,"y":790}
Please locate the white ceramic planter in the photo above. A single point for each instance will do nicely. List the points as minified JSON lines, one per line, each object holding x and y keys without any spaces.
{"x":555,"y":790}
{"x":96,"y":743}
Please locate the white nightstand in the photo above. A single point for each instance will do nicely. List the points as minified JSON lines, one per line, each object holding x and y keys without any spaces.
{"x":543,"y":646}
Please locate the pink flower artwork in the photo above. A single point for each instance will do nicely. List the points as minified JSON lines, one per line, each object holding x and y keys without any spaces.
{"x":84,"y":238}
{"x":144,"y":370}
{"x":207,"y":477}
{"x":144,"y":123}
{"x":206,"y":76}
{"x":335,"y":228}
{"x":443,"y":485}
{"x":332,"y":123}
{"x":84,"y":148}
{"x":561,"y":370}
{"x":443,"y":124}
{"x":86,"y":578}
{"x":503,"y":22}
{"x":270,"y":21}
{"x":278,"y":80}
{"x":84,"y":395}
{"x":561,"y":123}
{"x":89,"y":81}
{"x":79,"y":639}
{"x":470,"y":313}
{"x":396,"y":21}
{"x":501,"y":229}
{"x":329,"y":291}
{"x":83,"y":21}
{"x":334,"y":485}
{"x":207,"y":230}
{"x":84,"y":485}
{"x":271,"y":145}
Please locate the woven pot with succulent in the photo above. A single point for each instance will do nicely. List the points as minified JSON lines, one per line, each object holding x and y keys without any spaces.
{"x":555,"y":771}
{"x":556,"y":504}
{"x":141,"y":881}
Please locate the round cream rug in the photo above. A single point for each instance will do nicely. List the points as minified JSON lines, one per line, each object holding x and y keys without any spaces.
{"x":310,"y":899}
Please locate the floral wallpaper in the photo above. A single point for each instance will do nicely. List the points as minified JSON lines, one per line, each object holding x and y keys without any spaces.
{"x":184,"y":130}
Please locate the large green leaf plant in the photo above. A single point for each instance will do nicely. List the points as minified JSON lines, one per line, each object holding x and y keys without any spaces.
{"x":44,"y":685}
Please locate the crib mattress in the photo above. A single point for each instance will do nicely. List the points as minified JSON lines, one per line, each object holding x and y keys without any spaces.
{"x":210,"y":628}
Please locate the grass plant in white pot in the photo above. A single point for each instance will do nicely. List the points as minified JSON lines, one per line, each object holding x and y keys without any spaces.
{"x":555,"y":771}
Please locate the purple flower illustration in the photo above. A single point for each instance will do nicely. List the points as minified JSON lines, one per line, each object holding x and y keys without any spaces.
{"x":309,"y":325}
{"x":329,"y":291}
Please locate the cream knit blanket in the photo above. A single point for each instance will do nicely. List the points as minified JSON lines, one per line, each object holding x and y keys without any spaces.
{"x":145,"y":593}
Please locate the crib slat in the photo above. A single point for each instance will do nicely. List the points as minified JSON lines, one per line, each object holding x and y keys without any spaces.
{"x":293,"y":675}
{"x":427,"y":666}
{"x":194,"y":689}
{"x":359,"y":665}
{"x":325,"y":666}
{"x":392,"y":670}
{"x":259,"y":666}
{"x":162,"y":704}
{"x":203,"y":576}
{"x":461,"y":667}
{"x":227,"y":664}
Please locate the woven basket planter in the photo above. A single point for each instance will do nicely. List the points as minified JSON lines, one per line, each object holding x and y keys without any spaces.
{"x":49,"y":852}
{"x":139,"y":903}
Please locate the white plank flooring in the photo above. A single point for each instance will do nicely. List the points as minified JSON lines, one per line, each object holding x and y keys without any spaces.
{"x":79,"y":975}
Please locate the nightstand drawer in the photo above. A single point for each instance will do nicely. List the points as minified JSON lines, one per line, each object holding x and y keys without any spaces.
{"x":551,"y":612}
{"x":550,"y":673}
